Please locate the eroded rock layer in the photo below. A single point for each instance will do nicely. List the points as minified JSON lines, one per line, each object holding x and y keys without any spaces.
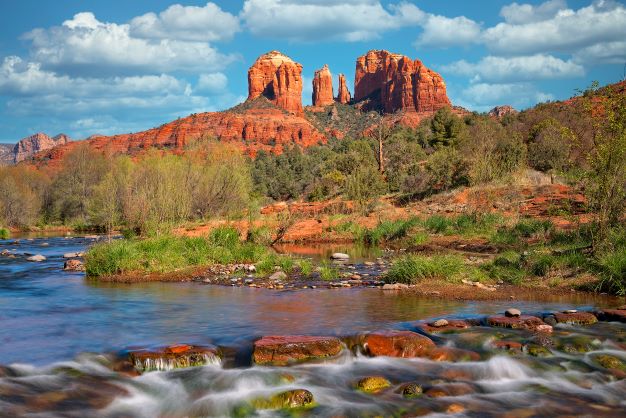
{"x":323,"y":87}
{"x":343,"y":95}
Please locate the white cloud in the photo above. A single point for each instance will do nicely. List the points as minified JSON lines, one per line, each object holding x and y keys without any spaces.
{"x":526,"y":13}
{"x":568,"y":31}
{"x":604,"y":53}
{"x":211,"y":83}
{"x":92,"y":46}
{"x":525,"y":68}
{"x":484,"y":96}
{"x":442,"y":31}
{"x":188,"y":23}
{"x":309,"y":20}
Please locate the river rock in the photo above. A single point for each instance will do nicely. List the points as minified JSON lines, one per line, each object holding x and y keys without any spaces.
{"x":531,"y":323}
{"x":613,"y":315}
{"x":444,"y":325}
{"x":411,"y":390}
{"x":452,"y":354}
{"x":576,"y":318}
{"x":512,"y":313}
{"x":174,"y":357}
{"x":397,"y":344}
{"x":296,"y":398}
{"x":278,"y":276}
{"x":508,"y":345}
{"x":339,"y":256}
{"x":36,"y":258}
{"x":373,"y":384}
{"x":395,"y":286}
{"x":73,"y":255}
{"x":449,"y":389}
{"x":284,"y":350}
{"x":73,"y":265}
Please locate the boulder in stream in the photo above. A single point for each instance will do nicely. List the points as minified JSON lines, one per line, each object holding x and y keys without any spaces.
{"x":397,"y":344}
{"x":36,"y":258}
{"x":285,"y":350}
{"x":174,"y":357}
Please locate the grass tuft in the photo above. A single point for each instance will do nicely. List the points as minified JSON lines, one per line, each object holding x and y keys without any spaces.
{"x":412,"y":269}
{"x":4,"y":233}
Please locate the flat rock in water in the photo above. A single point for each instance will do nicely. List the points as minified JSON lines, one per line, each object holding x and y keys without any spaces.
{"x":36,"y":258}
{"x":527,"y":322}
{"x":73,"y":265}
{"x":397,"y":344}
{"x":576,"y":318}
{"x":512,"y":313}
{"x":340,"y":256}
{"x":279,"y":275}
{"x":284,"y":350}
{"x":395,"y":286}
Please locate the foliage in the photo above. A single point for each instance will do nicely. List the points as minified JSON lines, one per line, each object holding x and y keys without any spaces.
{"x":447,"y":128}
{"x":446,"y":169}
{"x":328,"y":271}
{"x":4,"y":233}
{"x":412,"y":269}
{"x":389,"y":231}
{"x":612,"y":267}
{"x":549,"y":146}
{"x":23,"y":193}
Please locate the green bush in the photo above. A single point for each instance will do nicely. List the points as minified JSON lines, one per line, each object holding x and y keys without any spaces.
{"x":612,"y":266}
{"x":412,"y":269}
{"x":542,"y":264}
{"x":328,"y":271}
{"x":4,"y":233}
{"x":437,"y":224}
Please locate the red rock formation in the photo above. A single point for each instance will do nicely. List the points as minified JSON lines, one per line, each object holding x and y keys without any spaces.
{"x":278,"y":78}
{"x":33,"y":144}
{"x":502,"y":111}
{"x":323,"y":87}
{"x":254,"y":129}
{"x":393,"y":82}
{"x":397,"y":344}
{"x":343,"y":95}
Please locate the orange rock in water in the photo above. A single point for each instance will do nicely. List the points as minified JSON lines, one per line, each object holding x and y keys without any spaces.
{"x":397,"y":344}
{"x":323,"y":87}
{"x":283,"y":350}
{"x":279,"y":79}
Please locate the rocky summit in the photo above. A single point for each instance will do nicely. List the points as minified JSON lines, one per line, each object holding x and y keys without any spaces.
{"x":278,"y":78}
{"x":323,"y":87}
{"x":394,"y":82}
{"x":343,"y":95}
{"x":31,"y":145}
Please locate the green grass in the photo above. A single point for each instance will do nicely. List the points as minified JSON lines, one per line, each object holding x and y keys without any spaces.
{"x":524,"y":229}
{"x":261,"y":235}
{"x":168,"y":253}
{"x":327,"y":271}
{"x":438,"y":224}
{"x":305,"y":267}
{"x":470,"y":224}
{"x":612,"y":270}
{"x":389,"y":231}
{"x":4,"y":233}
{"x":412,"y":269}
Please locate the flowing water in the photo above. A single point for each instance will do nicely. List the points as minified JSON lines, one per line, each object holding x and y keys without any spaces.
{"x":56,"y":329}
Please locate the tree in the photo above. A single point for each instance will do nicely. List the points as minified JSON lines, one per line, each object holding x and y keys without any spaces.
{"x":447,"y":128}
{"x":549,"y":146}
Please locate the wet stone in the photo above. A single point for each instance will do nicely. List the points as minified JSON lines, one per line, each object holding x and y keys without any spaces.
{"x":512,"y":313}
{"x":411,"y":390}
{"x":397,"y":344}
{"x":575,"y":318}
{"x":284,"y":350}
{"x":174,"y":357}
{"x":73,"y":265}
{"x":297,"y":398}
{"x":613,"y":315}
{"x":530,"y":323}
{"x":444,"y":325}
{"x":373,"y":384}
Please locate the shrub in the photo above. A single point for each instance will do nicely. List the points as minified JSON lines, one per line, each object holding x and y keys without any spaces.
{"x":412,"y":269}
{"x":4,"y":233}
{"x":261,"y":235}
{"x":542,"y":265}
{"x":446,"y":169}
{"x":389,"y":231}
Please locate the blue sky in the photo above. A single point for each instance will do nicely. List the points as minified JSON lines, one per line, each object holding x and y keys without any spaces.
{"x":106,"y":67}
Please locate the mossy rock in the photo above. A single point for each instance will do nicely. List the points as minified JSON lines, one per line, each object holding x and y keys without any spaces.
{"x":610,"y":362}
{"x":537,"y":350}
{"x":372,"y":384}
{"x":411,"y":390}
{"x":296,"y":398}
{"x":578,"y":344}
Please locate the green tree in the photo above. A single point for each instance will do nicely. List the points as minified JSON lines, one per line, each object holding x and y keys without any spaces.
{"x":447,"y":128}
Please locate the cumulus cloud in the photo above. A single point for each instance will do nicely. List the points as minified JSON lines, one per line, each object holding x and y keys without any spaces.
{"x":188,"y":23}
{"x":567,"y":31}
{"x":484,"y":96}
{"x":526,"y":13}
{"x":312,"y":20}
{"x":85,"y":44}
{"x":211,"y":83}
{"x":442,"y":31}
{"x":525,"y":68}
{"x":603,"y":53}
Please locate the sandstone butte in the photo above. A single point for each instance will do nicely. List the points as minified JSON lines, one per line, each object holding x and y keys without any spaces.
{"x":323,"y":87}
{"x":394,"y":82}
{"x":33,"y":144}
{"x":278,"y":78}
{"x":343,"y":94}
{"x":273,"y":118}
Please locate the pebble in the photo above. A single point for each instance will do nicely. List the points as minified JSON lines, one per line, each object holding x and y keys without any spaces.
{"x":340,"y":256}
{"x":570,"y":311}
{"x":279,"y":275}
{"x":36,"y":258}
{"x":440,"y":323}
{"x":395,"y":286}
{"x":512,"y":313}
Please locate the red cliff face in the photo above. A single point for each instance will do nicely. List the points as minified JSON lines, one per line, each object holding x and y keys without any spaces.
{"x":502,"y":111}
{"x":33,"y":144}
{"x":278,"y":78}
{"x":393,"y":82}
{"x":343,"y":95}
{"x":323,"y":87}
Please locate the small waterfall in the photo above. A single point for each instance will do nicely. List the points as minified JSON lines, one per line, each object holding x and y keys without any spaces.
{"x":179,"y":362}
{"x":504,"y":368}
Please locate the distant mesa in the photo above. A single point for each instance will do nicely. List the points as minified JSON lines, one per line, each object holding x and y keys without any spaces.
{"x":29,"y":146}
{"x":501,"y":111}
